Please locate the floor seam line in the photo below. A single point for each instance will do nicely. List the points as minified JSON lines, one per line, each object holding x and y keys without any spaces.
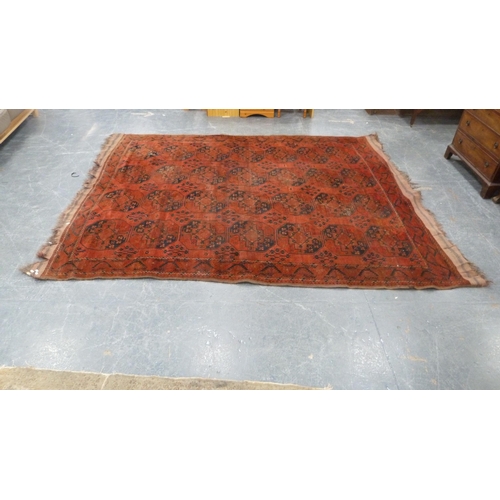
{"x":383,"y":346}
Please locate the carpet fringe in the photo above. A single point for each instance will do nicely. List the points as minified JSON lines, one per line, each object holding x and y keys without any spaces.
{"x":35,"y":270}
{"x":410,"y":189}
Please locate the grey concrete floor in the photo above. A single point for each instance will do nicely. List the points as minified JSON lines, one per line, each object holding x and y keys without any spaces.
{"x":346,"y":339}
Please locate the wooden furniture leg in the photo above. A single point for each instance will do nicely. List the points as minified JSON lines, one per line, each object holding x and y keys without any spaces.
{"x":488,"y":191}
{"x":414,"y":115}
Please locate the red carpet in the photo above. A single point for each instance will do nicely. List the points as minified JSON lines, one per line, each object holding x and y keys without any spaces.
{"x":280,"y":210}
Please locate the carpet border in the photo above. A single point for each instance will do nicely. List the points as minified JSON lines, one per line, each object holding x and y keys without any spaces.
{"x":467,"y":270}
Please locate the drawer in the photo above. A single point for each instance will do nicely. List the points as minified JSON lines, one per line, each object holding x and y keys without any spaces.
{"x":482,"y":134}
{"x":223,"y":113}
{"x":475,"y":155}
{"x":491,"y":117}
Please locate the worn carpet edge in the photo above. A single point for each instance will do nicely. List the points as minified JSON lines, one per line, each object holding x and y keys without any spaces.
{"x":27,"y":378}
{"x":37,"y":269}
{"x":467,"y":269}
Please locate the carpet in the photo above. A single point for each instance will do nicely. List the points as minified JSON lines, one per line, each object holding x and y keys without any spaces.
{"x":278,"y":210}
{"x":14,"y":378}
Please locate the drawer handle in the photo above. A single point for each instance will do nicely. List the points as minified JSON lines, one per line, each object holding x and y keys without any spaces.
{"x":467,"y":122}
{"x":486,"y":164}
{"x":460,"y":141}
{"x":495,"y":146}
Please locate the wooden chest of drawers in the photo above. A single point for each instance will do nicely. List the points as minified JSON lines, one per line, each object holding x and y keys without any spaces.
{"x":477,"y":143}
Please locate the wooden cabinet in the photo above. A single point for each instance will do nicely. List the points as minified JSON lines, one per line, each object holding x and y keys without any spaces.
{"x":477,"y":143}
{"x":245,"y":113}
{"x":268,"y":113}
